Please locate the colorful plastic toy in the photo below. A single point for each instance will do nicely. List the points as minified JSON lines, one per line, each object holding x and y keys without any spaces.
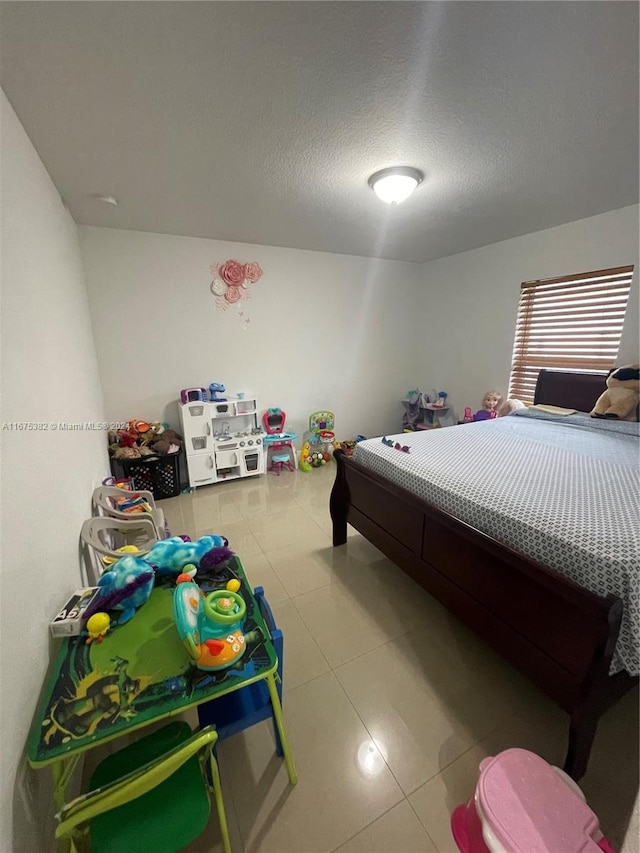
{"x":217,"y":388}
{"x":98,"y":627}
{"x":485,"y":415}
{"x":304,"y":463}
{"x":322,"y":424}
{"x":522,"y":804}
{"x":397,"y":446}
{"x":133,"y":504}
{"x":126,"y":549}
{"x":210,"y":627}
{"x":193,"y":395}
{"x":319,"y":441}
{"x":279,"y":443}
{"x":124,"y":483}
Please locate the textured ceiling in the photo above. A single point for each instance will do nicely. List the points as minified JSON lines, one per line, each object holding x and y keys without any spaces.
{"x":261,"y":121}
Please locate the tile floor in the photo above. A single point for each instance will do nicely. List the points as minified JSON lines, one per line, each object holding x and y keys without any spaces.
{"x":390,"y":703}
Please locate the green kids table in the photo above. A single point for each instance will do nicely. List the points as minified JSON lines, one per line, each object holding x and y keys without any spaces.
{"x":141,"y":673}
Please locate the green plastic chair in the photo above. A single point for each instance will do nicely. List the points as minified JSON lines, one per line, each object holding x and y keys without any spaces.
{"x":153,"y":795}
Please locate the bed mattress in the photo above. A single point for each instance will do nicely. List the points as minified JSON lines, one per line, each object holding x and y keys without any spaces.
{"x":564,"y":490}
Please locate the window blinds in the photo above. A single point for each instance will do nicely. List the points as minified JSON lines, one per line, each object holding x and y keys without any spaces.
{"x":569,"y":323}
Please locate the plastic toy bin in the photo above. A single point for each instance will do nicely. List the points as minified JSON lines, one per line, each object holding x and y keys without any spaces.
{"x":159,"y":475}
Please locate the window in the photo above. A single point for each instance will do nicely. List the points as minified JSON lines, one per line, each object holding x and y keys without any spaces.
{"x":568,"y":323}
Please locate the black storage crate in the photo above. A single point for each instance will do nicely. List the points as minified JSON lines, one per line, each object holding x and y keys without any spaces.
{"x":159,"y":475}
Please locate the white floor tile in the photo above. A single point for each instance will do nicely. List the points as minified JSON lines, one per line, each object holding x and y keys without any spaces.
{"x":397,"y":831}
{"x":344,"y":783}
{"x":259,"y":572}
{"x":349,"y":617}
{"x":303,"y":659}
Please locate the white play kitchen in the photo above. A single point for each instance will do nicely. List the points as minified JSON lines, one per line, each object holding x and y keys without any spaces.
{"x":223,"y":438}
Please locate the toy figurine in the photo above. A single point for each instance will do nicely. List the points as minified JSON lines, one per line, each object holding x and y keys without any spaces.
{"x":98,"y":627}
{"x":217,"y":388}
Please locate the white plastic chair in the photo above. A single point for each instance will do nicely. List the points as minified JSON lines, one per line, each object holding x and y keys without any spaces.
{"x":105,"y":501}
{"x":101,"y":536}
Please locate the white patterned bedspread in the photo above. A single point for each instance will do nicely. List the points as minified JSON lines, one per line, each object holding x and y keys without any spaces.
{"x":564,"y":490}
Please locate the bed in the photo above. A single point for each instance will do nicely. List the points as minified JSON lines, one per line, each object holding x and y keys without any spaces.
{"x":549,"y":602}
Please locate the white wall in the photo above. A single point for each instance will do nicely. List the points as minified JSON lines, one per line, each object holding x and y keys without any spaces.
{"x":470,"y":300}
{"x":326,"y":331}
{"x":49,"y":373}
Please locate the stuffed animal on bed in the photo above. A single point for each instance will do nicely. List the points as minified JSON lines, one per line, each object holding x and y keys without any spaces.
{"x":620,"y":400}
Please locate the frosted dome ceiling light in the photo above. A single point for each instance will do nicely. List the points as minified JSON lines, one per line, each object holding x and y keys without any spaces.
{"x":396,"y":184}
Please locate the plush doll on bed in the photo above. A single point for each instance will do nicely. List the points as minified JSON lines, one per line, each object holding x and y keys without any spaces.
{"x":493,"y":406}
{"x":620,"y":400}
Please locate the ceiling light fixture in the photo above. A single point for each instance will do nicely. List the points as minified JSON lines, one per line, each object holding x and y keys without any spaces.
{"x":106,"y":199}
{"x":395,"y":184}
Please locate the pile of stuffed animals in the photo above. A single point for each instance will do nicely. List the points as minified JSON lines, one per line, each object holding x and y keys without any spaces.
{"x":143,"y":439}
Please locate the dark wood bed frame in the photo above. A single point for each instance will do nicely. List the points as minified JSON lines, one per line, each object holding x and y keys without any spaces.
{"x":557,"y":633}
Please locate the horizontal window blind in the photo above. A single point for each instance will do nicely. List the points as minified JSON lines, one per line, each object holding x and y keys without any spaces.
{"x":569,"y":323}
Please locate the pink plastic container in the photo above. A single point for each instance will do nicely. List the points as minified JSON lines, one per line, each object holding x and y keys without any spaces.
{"x":524,"y":805}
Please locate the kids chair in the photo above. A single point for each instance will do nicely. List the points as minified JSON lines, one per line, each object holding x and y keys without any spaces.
{"x":102,"y":536}
{"x":280,"y":461}
{"x":236,"y":711}
{"x":105,"y":502}
{"x":279,"y":444}
{"x":153,"y":796}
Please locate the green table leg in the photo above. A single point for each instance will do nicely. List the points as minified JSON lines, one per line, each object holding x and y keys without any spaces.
{"x":277,"y":712}
{"x":62,"y":771}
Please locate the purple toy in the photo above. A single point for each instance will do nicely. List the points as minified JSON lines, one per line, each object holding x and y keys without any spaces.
{"x":485,"y":415}
{"x":215,"y":557}
{"x":193,"y":395}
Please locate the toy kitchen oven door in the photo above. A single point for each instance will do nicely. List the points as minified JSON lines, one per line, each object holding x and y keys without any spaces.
{"x":241,"y":457}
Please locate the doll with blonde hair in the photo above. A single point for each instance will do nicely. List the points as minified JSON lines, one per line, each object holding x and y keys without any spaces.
{"x":493,"y":402}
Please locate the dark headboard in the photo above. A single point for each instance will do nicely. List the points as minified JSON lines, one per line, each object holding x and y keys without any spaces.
{"x":571,"y":390}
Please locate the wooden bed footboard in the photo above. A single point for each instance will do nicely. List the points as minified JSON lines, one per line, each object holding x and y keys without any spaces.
{"x":557,"y":633}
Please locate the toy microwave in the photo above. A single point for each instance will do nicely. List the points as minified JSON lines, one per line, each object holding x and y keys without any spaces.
{"x":193,"y":395}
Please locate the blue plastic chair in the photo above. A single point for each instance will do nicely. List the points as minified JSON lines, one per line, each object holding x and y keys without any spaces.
{"x":237,"y":711}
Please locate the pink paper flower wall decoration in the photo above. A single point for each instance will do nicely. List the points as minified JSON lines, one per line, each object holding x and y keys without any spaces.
{"x":253,"y":271}
{"x":231,"y":284}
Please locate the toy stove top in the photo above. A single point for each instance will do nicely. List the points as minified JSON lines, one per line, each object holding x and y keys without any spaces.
{"x":246,"y":438}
